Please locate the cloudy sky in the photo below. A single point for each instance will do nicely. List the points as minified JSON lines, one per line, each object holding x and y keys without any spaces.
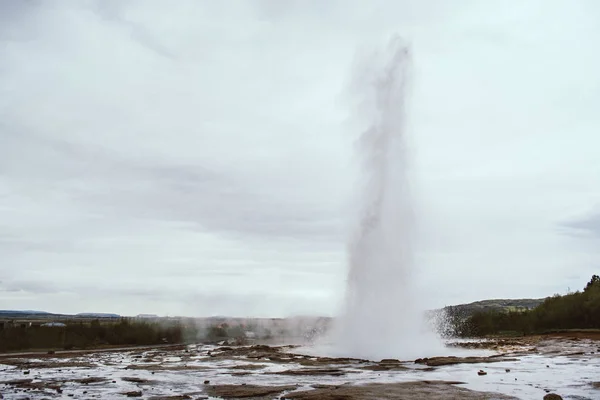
{"x":196,"y":157}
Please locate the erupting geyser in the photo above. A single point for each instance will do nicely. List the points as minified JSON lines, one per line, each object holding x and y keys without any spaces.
{"x":381,"y":317}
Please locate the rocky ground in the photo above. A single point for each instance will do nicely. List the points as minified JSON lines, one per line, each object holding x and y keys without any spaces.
{"x":511,"y":368}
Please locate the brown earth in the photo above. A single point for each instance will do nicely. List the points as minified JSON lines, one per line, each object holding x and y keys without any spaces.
{"x":25,"y":364}
{"x":593,"y":335}
{"x":423,"y":390}
{"x":246,"y":391}
{"x":452,"y":360}
{"x":313,"y":371}
{"x":162,"y":367}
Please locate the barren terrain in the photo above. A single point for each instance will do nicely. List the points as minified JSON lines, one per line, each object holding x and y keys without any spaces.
{"x":523,"y":368}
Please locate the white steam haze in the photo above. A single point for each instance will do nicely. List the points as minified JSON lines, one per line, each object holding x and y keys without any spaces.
{"x":196,"y":157}
{"x":382,"y":316}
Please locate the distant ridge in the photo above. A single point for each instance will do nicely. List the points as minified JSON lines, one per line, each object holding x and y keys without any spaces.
{"x":460,"y":309}
{"x":23,"y":312}
{"x":97,"y":315}
{"x":45,"y":314}
{"x":500,"y":305}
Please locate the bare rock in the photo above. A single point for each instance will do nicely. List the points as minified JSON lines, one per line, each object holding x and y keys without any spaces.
{"x":452,"y":360}
{"x":552,"y":396}
{"x":91,"y":379}
{"x":246,"y":391}
{"x":423,"y":390}
{"x":134,"y":379}
{"x":313,"y":371}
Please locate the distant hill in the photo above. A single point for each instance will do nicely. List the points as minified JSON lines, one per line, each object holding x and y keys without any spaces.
{"x":97,"y":315}
{"x":460,"y":310}
{"x":29,"y":312}
{"x":33,"y":314}
{"x":498,"y":305}
{"x":22,"y":313}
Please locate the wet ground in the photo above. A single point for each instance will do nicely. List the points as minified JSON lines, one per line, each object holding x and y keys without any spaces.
{"x":526,"y":368}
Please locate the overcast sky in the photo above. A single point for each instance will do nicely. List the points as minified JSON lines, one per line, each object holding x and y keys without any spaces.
{"x":196,"y":157}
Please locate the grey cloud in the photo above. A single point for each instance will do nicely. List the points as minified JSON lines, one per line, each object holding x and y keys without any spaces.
{"x":204,"y":148}
{"x":100,"y":181}
{"x":111,"y":11}
{"x":29,"y":286}
{"x":589,"y":224}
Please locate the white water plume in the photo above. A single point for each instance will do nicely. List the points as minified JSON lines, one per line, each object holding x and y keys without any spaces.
{"x":382,"y":317}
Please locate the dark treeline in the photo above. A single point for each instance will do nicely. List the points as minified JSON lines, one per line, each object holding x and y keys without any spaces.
{"x":579,"y":310}
{"x":80,"y":335}
{"x":71,"y":334}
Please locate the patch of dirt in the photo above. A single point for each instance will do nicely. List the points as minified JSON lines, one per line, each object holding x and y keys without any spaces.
{"x":92,"y":379}
{"x":500,"y":344}
{"x":162,"y":367}
{"x":133,"y":379}
{"x":246,"y":391}
{"x":452,"y":360}
{"x":385,"y":365}
{"x":135,"y":393}
{"x":24,"y":364}
{"x":99,"y":350}
{"x":593,"y":335}
{"x":424,"y":390}
{"x":277,"y":354}
{"x":313,"y":371}
{"x":251,"y":367}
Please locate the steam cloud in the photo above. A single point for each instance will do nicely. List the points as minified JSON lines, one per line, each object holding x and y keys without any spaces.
{"x":382,"y":317}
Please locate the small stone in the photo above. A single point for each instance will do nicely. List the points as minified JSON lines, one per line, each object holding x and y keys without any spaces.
{"x":133,"y":394}
{"x":206,"y":382}
{"x":26,"y":372}
{"x":552,"y":396}
{"x":507,"y":369}
{"x":481,"y":372}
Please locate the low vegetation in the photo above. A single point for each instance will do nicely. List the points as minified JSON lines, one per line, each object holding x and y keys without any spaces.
{"x":74,"y":334}
{"x":574,"y":311}
{"x":94,"y":334}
